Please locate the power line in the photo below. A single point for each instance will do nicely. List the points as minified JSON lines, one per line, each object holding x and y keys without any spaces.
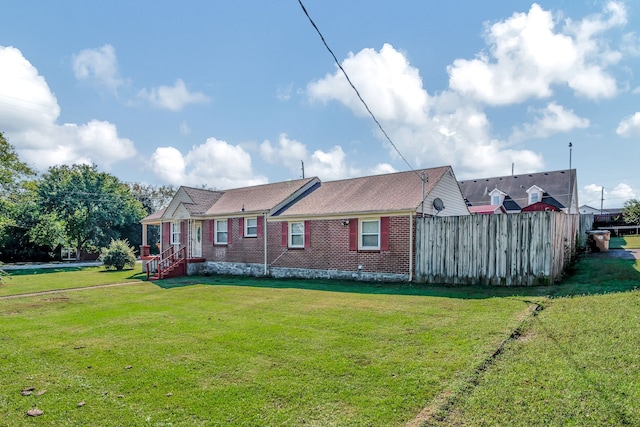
{"x":354,"y":88}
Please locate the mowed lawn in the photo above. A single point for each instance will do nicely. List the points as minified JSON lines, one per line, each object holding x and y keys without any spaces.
{"x":242,"y":352}
{"x":631,"y":241}
{"x":577,"y":362}
{"x":43,"y":279}
{"x":250,"y":352}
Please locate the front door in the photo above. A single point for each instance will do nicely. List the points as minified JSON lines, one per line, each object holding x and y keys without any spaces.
{"x":196,"y":239}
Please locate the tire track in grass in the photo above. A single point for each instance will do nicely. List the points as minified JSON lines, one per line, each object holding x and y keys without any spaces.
{"x":439,"y":409}
{"x":57,"y":291}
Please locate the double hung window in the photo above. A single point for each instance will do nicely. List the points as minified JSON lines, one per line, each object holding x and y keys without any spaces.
{"x":369,"y":234}
{"x":250,"y":227}
{"x":221,"y":232}
{"x":296,"y":234}
{"x":175,"y":233}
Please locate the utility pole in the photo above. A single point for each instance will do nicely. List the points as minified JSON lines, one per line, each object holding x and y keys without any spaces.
{"x":601,"y":199}
{"x":302,"y":162}
{"x":570,"y":178}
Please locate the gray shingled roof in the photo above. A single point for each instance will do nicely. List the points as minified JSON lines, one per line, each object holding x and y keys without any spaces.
{"x":400,"y":191}
{"x":556,"y":186}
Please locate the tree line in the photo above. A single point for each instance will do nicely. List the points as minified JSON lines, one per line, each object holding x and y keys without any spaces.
{"x":74,"y":206}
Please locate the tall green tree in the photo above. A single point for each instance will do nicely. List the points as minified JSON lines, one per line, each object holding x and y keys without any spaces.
{"x":31,"y":235}
{"x":92,"y":207}
{"x":12,"y":169}
{"x":152,"y":197}
{"x":631,"y":211}
{"x":14,"y":179}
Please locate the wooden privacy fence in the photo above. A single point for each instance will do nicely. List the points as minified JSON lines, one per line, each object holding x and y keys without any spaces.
{"x":524,"y":249}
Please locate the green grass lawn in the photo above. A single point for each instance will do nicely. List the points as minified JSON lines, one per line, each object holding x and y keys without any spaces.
{"x":250,"y":354}
{"x":235,"y":351}
{"x":625,"y":242}
{"x":575,"y":363}
{"x":38,"y":280}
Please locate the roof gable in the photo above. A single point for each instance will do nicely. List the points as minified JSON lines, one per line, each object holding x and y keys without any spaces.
{"x":259,"y":198}
{"x":196,"y":201}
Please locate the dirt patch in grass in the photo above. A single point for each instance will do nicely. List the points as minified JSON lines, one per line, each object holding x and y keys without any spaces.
{"x":445,"y":404}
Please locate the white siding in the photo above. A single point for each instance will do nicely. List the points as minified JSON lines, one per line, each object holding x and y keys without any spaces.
{"x":448,"y":190}
{"x":180,"y":197}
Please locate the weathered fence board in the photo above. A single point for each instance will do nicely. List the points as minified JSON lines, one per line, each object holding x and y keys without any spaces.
{"x":510,"y":250}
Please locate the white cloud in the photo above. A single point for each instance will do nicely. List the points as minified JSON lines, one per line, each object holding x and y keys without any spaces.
{"x":173,"y":98}
{"x":527,"y":56}
{"x":214,"y":164}
{"x":390,"y":86}
{"x":99,"y":65}
{"x":595,"y":195}
{"x":382,"y":168}
{"x":429,"y":131}
{"x":591,"y":195}
{"x":623,"y":192}
{"x":25,"y":98}
{"x":327,"y":165}
{"x":28,"y":115}
{"x":168,"y":165}
{"x":629,"y":126}
{"x":552,"y":119}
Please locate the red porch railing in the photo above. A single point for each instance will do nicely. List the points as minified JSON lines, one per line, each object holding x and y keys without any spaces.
{"x":170,"y":263}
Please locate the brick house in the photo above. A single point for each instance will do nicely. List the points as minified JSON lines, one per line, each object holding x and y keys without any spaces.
{"x":218,"y":226}
{"x":359,"y":228}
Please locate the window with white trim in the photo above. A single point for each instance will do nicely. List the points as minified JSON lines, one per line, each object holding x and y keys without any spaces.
{"x":535,"y":194}
{"x":175,"y":233}
{"x":221,"y":232}
{"x":369,"y":234}
{"x":495,"y":200}
{"x":296,"y":234}
{"x":250,"y":227}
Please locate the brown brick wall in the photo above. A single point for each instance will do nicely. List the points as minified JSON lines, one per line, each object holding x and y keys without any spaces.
{"x":241,"y":249}
{"x":329,"y":249}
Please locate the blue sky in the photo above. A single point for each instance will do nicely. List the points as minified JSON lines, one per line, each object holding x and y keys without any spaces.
{"x":228,"y":94}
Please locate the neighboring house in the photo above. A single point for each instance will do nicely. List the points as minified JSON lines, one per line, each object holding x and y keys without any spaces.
{"x":555,"y":190}
{"x":360,"y":228}
{"x":487,"y":209}
{"x":611,"y":219}
{"x":586,"y":209}
{"x":540,"y":206}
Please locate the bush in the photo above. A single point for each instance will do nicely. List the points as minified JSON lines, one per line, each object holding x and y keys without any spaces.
{"x":118,"y":255}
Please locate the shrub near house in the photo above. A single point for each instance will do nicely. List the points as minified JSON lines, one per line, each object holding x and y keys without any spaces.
{"x":118,"y":255}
